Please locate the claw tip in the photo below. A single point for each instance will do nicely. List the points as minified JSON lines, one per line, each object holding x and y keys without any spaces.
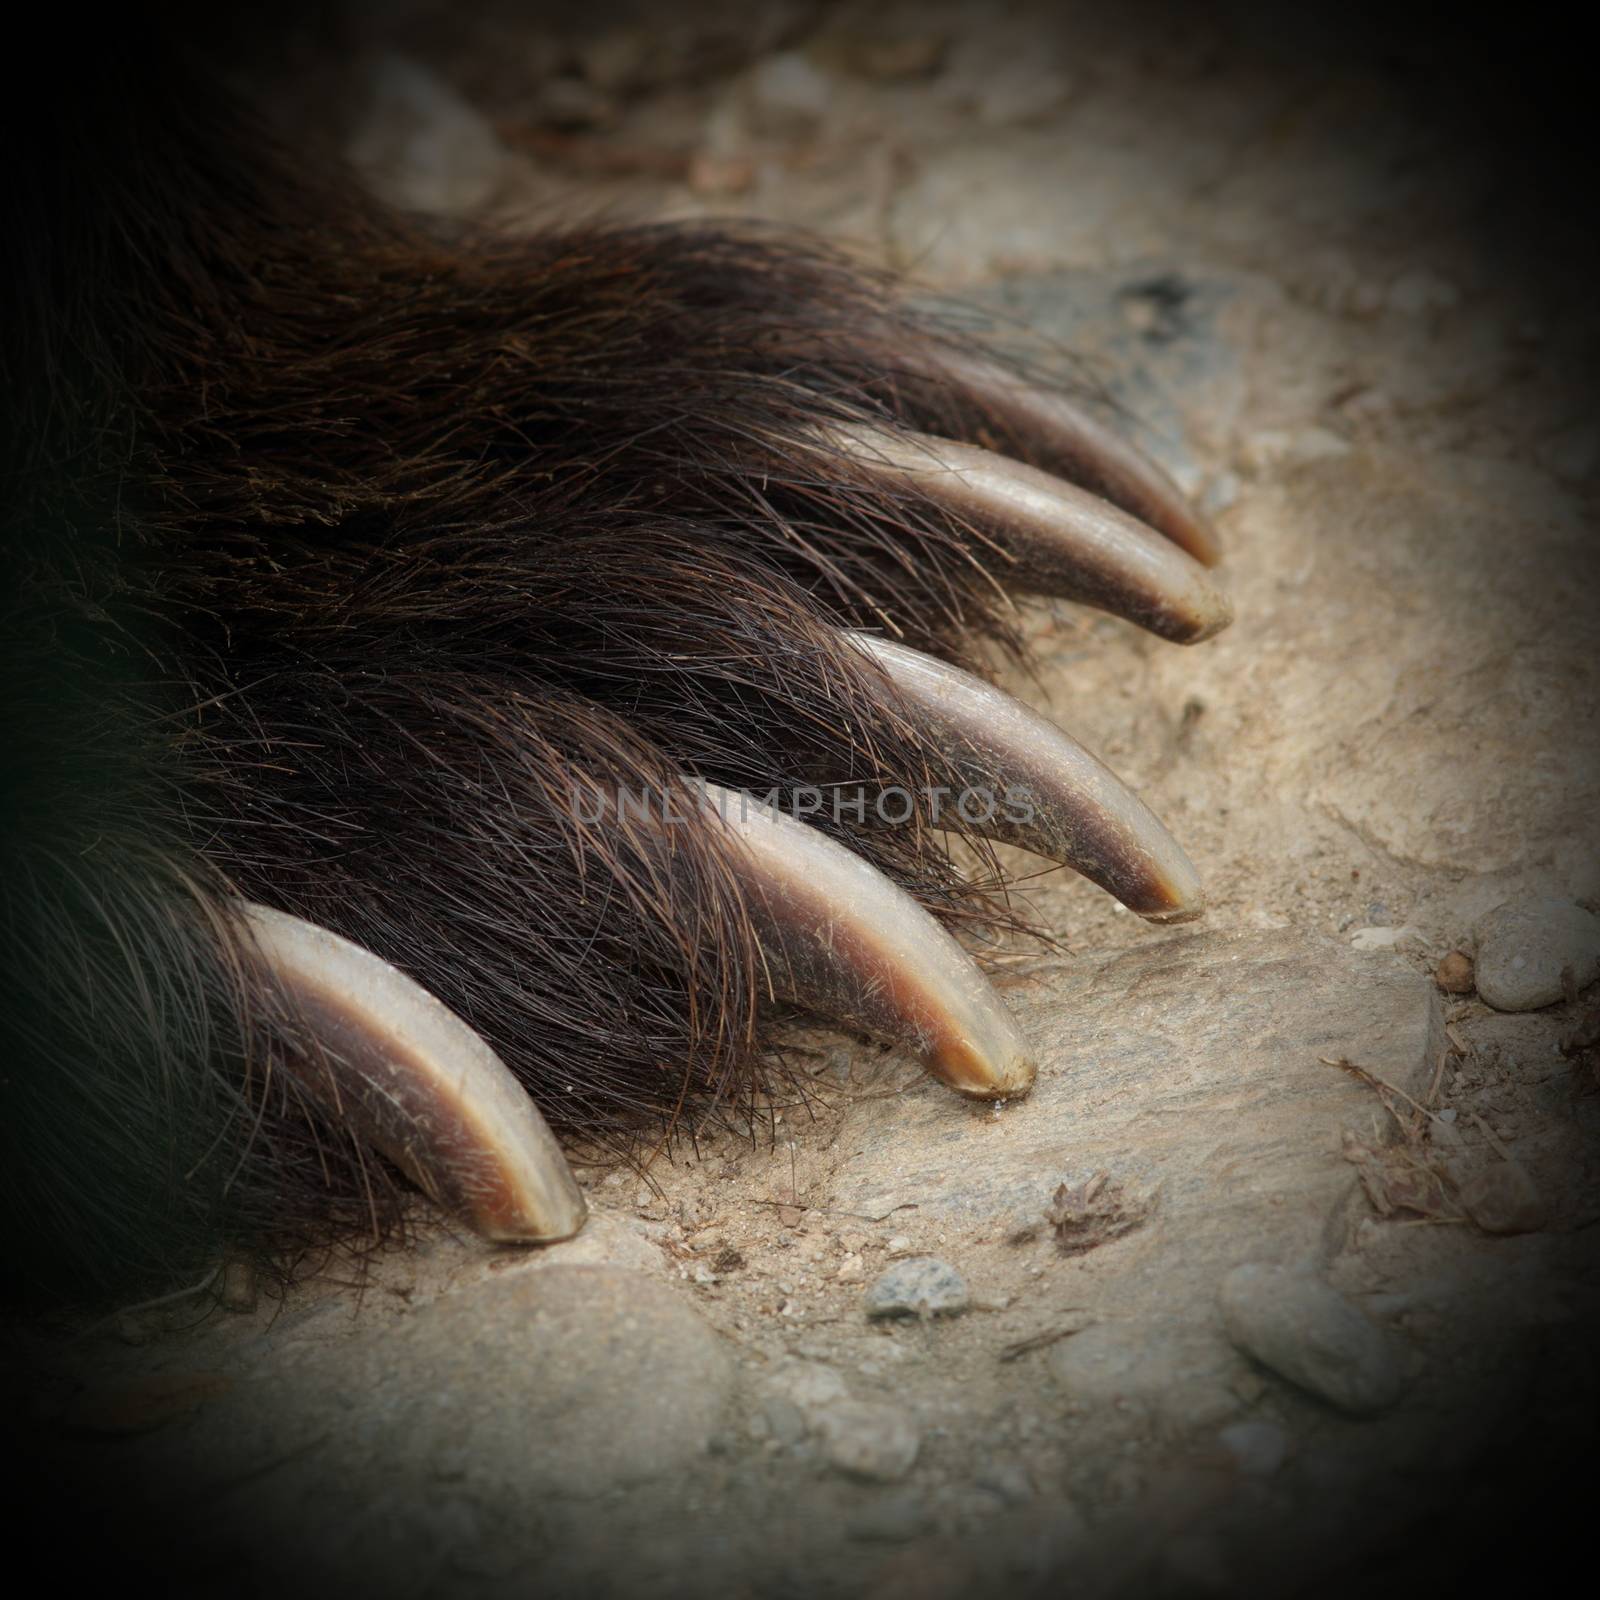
{"x":980,"y":1077}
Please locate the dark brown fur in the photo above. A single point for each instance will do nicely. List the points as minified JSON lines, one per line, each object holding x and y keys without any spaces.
{"x":341,"y":555}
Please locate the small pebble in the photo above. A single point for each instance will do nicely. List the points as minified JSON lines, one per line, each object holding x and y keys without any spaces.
{"x":1454,"y":973}
{"x":867,"y":1439}
{"x":781,"y":1421}
{"x":1008,"y":1480}
{"x":421,"y":145}
{"x":812,"y":1386}
{"x":1259,"y":1448}
{"x":1524,"y":947}
{"x":899,"y":1245}
{"x":1310,"y":1334}
{"x":788,"y":96}
{"x":921,"y":1287}
{"x":237,"y":1291}
{"x":1220,"y":493}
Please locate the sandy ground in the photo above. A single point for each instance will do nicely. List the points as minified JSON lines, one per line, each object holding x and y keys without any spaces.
{"x":1281,"y":270}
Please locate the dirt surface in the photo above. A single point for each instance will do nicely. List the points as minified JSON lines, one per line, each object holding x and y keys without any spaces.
{"x":1274,"y":264}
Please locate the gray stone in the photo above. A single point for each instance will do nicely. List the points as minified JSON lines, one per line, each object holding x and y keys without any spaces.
{"x":238,"y":1290}
{"x":867,"y":1439}
{"x":1181,"y":1376}
{"x":783,"y":1421}
{"x":795,"y":1398}
{"x":1524,"y":947}
{"x":421,"y":145}
{"x":810,"y":1385}
{"x":1258,"y":1448}
{"x":920,"y":1287}
{"x":1007,"y":1479}
{"x":1310,"y":1334}
{"x":788,"y":95}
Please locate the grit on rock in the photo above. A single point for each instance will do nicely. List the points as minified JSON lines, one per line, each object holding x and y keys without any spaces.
{"x":1292,"y":1251}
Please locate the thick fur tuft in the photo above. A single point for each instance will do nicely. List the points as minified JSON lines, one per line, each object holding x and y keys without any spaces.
{"x":341,"y":556}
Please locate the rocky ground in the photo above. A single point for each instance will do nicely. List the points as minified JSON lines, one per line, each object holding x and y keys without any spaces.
{"x":1288,"y":1268}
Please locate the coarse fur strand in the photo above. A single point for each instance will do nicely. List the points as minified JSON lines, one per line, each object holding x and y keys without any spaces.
{"x":342,"y":551}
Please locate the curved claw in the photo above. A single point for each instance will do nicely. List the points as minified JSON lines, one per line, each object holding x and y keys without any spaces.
{"x":1061,"y":540}
{"x":418,"y":1082}
{"x":1040,"y":788}
{"x":1064,"y":431}
{"x":842,"y":940}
